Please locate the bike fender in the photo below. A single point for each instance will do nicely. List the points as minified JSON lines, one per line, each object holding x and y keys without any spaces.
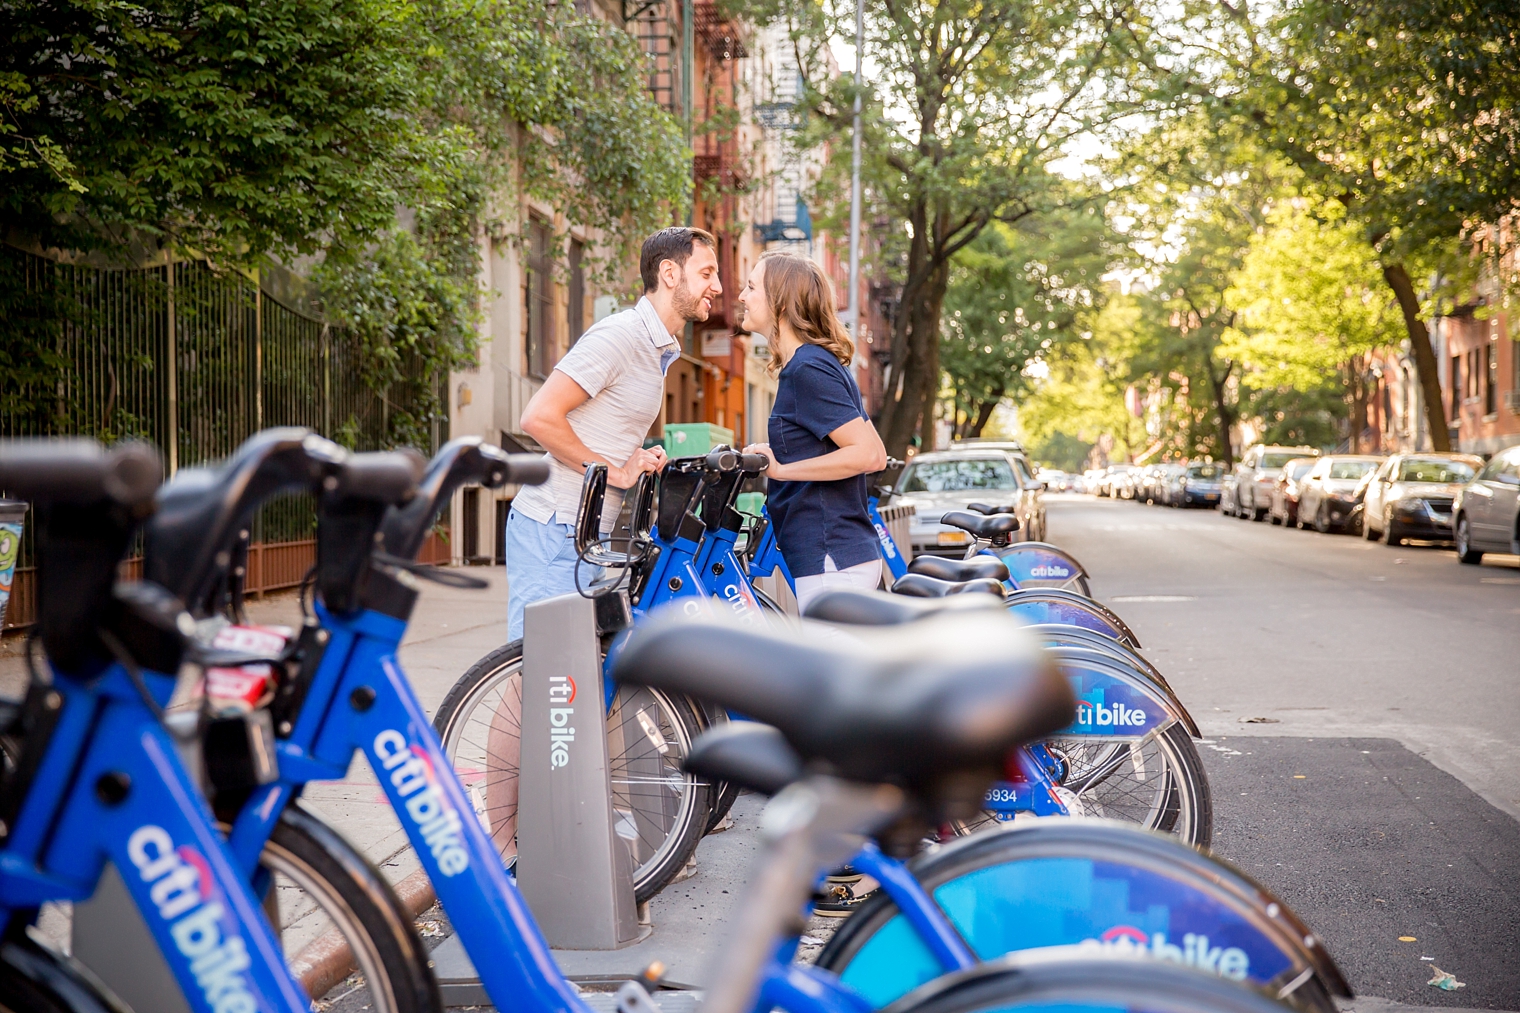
{"x":1034,"y":607}
{"x":1040,"y":561}
{"x":1115,"y":700}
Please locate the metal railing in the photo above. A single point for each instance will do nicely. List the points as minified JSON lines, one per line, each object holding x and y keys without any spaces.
{"x":192,"y":359}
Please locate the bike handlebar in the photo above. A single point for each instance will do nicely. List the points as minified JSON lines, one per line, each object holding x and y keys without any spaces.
{"x":727,"y":459}
{"x":467,"y":459}
{"x":383,"y":477}
{"x":80,"y":471}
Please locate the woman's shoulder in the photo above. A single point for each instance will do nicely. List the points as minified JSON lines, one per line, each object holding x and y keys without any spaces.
{"x":817,"y":362}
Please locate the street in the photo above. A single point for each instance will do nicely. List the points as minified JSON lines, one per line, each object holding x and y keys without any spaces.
{"x":1362,"y":727}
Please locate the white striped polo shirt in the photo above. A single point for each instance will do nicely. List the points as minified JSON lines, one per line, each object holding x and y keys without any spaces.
{"x":620,"y":363}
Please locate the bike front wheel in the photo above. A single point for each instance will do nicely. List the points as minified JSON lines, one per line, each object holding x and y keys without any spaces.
{"x":661,"y":811}
{"x":334,"y":913}
{"x":1157,"y":783}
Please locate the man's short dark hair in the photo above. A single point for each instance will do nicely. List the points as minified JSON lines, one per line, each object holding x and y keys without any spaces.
{"x":673,"y":244}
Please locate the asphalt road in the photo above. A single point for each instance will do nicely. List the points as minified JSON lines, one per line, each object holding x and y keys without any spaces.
{"x":1362,"y":716}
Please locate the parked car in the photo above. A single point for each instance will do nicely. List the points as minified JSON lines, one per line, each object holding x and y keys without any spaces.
{"x":1327,"y":496}
{"x":1166,"y":488}
{"x":1229,"y":485}
{"x":1125,"y":482}
{"x":1487,"y":509}
{"x":1257,"y":473}
{"x":1411,"y":496}
{"x":1110,"y":479}
{"x":1145,"y":483}
{"x":1200,"y":483}
{"x":1284,"y":508}
{"x":936,"y":483}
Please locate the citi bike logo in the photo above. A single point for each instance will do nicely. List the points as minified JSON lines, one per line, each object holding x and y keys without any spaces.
{"x":561,"y":734}
{"x":1195,"y":951}
{"x":738,"y":598}
{"x":1119,"y":715}
{"x":1049,"y":571}
{"x":888,"y":545}
{"x":412,"y":775}
{"x":182,"y":891}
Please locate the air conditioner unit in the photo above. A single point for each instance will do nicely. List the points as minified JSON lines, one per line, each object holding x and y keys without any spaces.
{"x":1512,"y":401}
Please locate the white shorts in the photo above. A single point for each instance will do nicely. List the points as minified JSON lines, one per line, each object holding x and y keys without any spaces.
{"x":861,"y":577}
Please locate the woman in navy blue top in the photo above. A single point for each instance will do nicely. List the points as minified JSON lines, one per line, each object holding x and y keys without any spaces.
{"x":822,"y":446}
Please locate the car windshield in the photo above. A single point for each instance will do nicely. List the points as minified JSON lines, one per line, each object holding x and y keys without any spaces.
{"x":1298,"y":469}
{"x":959,"y":476}
{"x":1212,"y":471}
{"x":1277,"y":460}
{"x":1350,"y":469}
{"x":1444,"y":472}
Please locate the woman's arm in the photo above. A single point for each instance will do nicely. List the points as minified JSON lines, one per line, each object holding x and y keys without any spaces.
{"x":860,"y":453}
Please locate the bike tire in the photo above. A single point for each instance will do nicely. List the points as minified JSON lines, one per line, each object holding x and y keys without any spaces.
{"x":314,"y":870}
{"x":1075,"y":983}
{"x":478,"y":726}
{"x":1180,"y":804}
{"x":35,"y":979}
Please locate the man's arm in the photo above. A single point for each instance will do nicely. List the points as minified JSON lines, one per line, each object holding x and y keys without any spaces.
{"x":546,"y":419}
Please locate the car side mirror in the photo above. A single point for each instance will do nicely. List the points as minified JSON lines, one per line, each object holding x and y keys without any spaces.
{"x":885,"y":490}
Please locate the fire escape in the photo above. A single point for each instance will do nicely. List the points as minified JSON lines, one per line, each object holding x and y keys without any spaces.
{"x":717,"y":171}
{"x":790,"y":221}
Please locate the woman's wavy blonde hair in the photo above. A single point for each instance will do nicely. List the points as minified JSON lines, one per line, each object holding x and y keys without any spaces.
{"x":802,"y":295}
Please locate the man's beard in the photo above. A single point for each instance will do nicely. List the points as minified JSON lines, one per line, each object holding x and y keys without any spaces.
{"x":687,"y":305}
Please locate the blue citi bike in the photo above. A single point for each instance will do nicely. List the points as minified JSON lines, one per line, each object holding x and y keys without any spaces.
{"x":125,"y":797}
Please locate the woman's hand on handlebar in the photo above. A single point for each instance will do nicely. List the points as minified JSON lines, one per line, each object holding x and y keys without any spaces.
{"x":775,"y":468}
{"x":643,"y":460}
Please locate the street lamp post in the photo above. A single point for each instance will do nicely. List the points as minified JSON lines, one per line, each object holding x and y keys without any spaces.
{"x":854,"y":303}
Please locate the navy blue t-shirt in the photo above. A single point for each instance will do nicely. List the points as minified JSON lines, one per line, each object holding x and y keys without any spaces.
{"x":815,"y":395}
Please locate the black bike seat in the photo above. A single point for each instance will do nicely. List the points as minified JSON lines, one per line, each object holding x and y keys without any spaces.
{"x":991,"y":508}
{"x":746,"y":753}
{"x":975,"y":568}
{"x":915,"y":704}
{"x":918,"y":585}
{"x":874,"y":608}
{"x":991,"y":527}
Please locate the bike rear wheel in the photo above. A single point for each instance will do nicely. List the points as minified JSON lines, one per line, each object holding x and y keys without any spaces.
{"x":661,"y":811}
{"x":1077,"y":984}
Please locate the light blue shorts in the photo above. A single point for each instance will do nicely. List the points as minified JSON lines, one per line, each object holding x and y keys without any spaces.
{"x":540,"y":564}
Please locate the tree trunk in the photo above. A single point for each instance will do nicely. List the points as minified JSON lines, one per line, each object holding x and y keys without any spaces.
{"x":1424,"y":355}
{"x":1217,"y":385}
{"x":1358,"y":402}
{"x":915,"y":372}
{"x":984,"y":414}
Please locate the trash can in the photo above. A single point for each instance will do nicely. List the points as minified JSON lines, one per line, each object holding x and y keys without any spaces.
{"x":12,"y":515}
{"x":693,"y":439}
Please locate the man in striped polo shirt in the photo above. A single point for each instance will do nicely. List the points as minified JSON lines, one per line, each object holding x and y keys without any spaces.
{"x":597,"y":405}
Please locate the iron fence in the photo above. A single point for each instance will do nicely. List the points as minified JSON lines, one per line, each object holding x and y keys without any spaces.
{"x":194,"y":359}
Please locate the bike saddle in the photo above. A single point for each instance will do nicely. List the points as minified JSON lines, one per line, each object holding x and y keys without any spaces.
{"x":745,"y":753}
{"x":935,"y":705}
{"x":975,"y":568}
{"x":994,"y":528}
{"x":872,"y":608}
{"x":989,"y":508}
{"x":919,"y":585}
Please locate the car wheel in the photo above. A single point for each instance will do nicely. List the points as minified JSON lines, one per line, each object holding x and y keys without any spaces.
{"x":1465,"y":552}
{"x":1258,"y":515}
{"x":1322,"y":520}
{"x":1390,"y":537}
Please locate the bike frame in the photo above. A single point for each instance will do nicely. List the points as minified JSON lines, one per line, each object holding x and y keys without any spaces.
{"x":360,"y":701}
{"x":110,"y":787}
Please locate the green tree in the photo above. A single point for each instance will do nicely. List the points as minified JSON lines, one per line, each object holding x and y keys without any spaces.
{"x":1312,"y":304}
{"x":1013,"y":294}
{"x":967,"y":106}
{"x":1078,"y":388}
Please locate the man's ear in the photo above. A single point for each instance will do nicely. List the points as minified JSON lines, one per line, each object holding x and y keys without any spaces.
{"x":670,"y":273}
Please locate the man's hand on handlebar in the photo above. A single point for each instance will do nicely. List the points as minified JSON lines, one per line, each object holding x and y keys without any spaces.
{"x":643,"y":460}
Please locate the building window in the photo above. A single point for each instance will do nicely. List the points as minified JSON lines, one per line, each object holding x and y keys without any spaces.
{"x":541,"y":356}
{"x":577,"y":308}
{"x":1491,"y":379}
{"x":1456,"y":388}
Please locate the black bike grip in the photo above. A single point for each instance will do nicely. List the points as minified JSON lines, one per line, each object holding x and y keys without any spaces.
{"x":79,"y":470}
{"x":723,"y":459}
{"x":527,"y":469}
{"x":754,"y":462}
{"x":388,"y":476}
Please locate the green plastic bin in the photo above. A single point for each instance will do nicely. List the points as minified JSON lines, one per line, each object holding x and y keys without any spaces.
{"x":692,"y":439}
